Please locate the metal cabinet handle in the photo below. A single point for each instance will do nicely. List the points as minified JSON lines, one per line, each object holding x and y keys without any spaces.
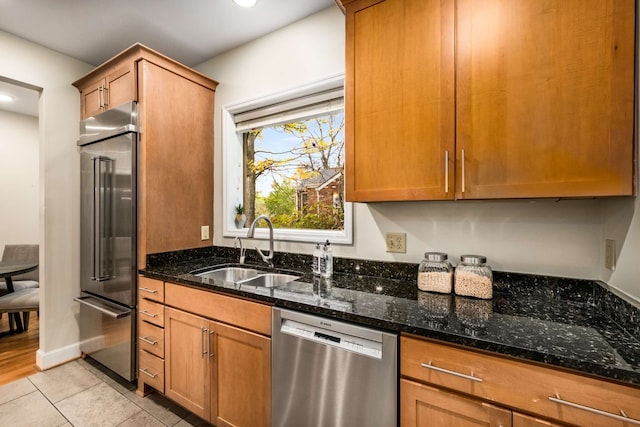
{"x":463,"y":177}
{"x":202,"y":349}
{"x":454,"y":373}
{"x":99,"y":97}
{"x":105,"y":98}
{"x":148,"y":313}
{"x":623,"y":417}
{"x":211,"y":353}
{"x":148,"y":341}
{"x":147,"y":373}
{"x":446,"y":171}
{"x":151,"y":291}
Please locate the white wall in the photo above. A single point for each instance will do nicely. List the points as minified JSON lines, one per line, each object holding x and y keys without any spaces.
{"x":59,"y":188}
{"x":560,"y":238}
{"x":18,"y":179}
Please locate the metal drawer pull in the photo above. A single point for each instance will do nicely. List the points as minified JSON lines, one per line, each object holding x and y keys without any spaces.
{"x":622,"y":417}
{"x":147,"y":313}
{"x":144,"y":371}
{"x":454,"y":373}
{"x":151,"y":291}
{"x":148,"y":341}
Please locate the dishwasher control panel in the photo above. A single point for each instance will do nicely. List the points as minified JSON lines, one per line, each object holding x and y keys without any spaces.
{"x":333,"y":338}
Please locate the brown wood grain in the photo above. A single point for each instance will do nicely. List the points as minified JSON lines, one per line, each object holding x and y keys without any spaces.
{"x":399,"y":100}
{"x":234,"y":311}
{"x":18,"y":351}
{"x":176,"y":161}
{"x":421,"y":405}
{"x":545,"y":98}
{"x":187,"y":369}
{"x":242,"y":378}
{"x":520,"y":385}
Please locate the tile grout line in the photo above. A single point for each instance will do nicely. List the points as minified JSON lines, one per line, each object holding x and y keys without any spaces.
{"x":50,"y":402}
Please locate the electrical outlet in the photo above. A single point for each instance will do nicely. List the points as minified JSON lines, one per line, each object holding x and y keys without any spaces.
{"x":610,"y":254}
{"x":204,"y":232}
{"x":396,"y":242}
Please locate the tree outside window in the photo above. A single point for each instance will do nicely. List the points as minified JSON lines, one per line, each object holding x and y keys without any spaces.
{"x":294,"y":172}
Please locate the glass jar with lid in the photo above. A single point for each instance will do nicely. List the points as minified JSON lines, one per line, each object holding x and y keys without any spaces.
{"x":435,"y":273}
{"x":473,"y":277}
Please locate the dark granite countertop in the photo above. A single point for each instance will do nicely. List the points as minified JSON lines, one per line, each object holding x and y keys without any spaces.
{"x":568,"y":323}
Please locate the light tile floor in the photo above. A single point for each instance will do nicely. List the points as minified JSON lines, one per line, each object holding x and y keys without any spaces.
{"x":83,"y":393}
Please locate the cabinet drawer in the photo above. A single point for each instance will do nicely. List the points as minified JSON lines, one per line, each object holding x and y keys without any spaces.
{"x":151,"y":370}
{"x":151,"y":338}
{"x":151,"y":289}
{"x":496,"y":378}
{"x":234,"y":311}
{"x":151,"y":311}
{"x":419,"y":402}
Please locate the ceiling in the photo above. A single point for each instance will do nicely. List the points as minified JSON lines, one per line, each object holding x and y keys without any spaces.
{"x":189,"y":31}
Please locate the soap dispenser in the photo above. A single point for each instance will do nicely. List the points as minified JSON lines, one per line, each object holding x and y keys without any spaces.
{"x":327,"y":257}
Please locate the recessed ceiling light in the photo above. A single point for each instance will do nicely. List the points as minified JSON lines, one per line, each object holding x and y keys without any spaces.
{"x":245,"y":3}
{"x":6,"y":98}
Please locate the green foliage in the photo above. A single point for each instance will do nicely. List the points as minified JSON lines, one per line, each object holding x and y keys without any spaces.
{"x":326,"y":219}
{"x":239,"y":209}
{"x":282,"y":199}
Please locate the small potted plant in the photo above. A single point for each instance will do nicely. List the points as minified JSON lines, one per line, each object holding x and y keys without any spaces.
{"x":240,"y":218}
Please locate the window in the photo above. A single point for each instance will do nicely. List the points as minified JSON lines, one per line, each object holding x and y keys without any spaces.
{"x":284,"y":157}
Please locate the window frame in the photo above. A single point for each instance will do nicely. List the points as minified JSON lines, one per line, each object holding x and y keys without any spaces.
{"x":232,"y":170}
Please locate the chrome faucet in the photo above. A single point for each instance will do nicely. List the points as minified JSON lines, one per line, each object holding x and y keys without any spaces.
{"x":266,"y":258}
{"x":238,"y":241}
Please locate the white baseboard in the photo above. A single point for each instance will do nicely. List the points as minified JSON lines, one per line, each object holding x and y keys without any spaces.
{"x":57,"y":357}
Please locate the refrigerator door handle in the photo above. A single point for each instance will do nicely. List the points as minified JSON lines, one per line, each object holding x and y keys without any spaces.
{"x":104,"y":308}
{"x":101,"y":219}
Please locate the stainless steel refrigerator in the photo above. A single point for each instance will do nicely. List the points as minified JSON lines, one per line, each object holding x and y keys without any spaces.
{"x":108,"y":218}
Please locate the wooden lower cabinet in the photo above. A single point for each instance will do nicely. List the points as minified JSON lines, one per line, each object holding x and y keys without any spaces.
{"x":421,"y":405}
{"x":441,"y":381}
{"x":242,"y":378}
{"x":219,"y":372}
{"x":187,"y":366}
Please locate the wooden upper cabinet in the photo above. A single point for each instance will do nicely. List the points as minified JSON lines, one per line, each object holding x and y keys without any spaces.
{"x":545,"y":98}
{"x":175,"y":143}
{"x":478,"y":99}
{"x":110,"y":87}
{"x":399,"y":100}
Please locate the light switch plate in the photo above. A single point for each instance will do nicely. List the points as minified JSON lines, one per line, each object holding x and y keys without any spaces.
{"x":204,"y":232}
{"x":396,"y":242}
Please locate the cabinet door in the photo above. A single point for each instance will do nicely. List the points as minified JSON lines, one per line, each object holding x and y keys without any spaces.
{"x":545,"y":98}
{"x":399,"y":100}
{"x":426,"y":406}
{"x":187,"y":366}
{"x":242,"y":378}
{"x":91,"y":98}
{"x":120,"y":85}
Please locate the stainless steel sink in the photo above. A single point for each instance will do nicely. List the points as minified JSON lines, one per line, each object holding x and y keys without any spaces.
{"x":230,"y":274}
{"x":269,"y":280}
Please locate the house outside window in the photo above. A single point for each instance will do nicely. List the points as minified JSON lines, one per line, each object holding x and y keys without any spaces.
{"x":284,"y":157}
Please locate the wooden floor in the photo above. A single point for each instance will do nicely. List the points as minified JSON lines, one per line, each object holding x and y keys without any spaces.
{"x":18,"y":351}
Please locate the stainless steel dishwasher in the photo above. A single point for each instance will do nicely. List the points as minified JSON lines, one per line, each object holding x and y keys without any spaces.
{"x":327,"y":373}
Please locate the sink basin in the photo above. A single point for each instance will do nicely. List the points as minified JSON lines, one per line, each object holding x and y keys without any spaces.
{"x":230,"y":274}
{"x":269,"y":280}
